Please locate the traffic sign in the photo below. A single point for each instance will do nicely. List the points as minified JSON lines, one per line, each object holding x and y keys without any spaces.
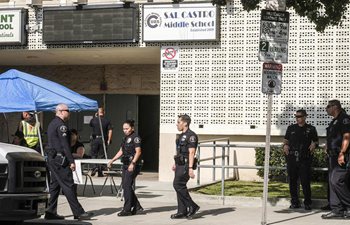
{"x":274,"y":35}
{"x":169,"y":59}
{"x":271,"y":78}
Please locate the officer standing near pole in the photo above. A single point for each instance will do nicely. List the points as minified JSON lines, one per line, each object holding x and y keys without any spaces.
{"x":338,"y":139}
{"x":186,"y":145}
{"x":299,"y":143}
{"x":97,"y":146}
{"x":61,"y":164}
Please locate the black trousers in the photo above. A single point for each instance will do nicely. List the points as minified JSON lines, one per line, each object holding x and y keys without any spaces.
{"x":62,"y":177}
{"x":339,"y":191}
{"x":184,"y":199}
{"x":299,"y":170}
{"x":97,"y":152}
{"x":128,"y":179}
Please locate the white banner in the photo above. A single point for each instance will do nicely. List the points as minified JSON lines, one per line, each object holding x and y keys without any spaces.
{"x":10,"y":26}
{"x":180,"y":22}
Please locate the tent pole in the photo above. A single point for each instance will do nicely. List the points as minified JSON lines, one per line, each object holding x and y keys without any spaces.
{"x":103,"y":137}
{"x":7,"y":128}
{"x":37,"y":125}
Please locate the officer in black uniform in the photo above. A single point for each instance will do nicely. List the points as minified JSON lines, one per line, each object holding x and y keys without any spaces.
{"x":299,"y":143}
{"x":61,"y":164}
{"x":186,"y":145}
{"x":338,"y":138}
{"x":130,"y":151}
{"x":96,"y":138}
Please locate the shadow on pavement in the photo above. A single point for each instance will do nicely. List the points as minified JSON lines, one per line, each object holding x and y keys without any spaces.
{"x":55,"y":222}
{"x":213,"y":212}
{"x":105,"y":211}
{"x":158,"y":209}
{"x":293,"y":218}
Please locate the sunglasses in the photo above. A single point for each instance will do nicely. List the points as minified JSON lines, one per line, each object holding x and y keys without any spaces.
{"x":328,"y":106}
{"x":299,"y":116}
{"x":67,"y":110}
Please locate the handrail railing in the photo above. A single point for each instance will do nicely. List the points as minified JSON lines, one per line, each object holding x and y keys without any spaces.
{"x":226,"y":155}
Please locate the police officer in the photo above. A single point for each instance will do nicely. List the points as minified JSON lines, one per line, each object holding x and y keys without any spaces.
{"x":96,"y":137}
{"x":130,"y":151}
{"x":300,"y":141}
{"x":186,"y":145}
{"x":338,"y":138}
{"x":61,"y":164}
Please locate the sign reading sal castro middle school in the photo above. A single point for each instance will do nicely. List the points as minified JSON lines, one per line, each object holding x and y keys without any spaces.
{"x":12,"y":26}
{"x":180,"y":22}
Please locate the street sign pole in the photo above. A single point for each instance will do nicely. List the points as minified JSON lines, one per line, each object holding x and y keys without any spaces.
{"x":267,"y":158}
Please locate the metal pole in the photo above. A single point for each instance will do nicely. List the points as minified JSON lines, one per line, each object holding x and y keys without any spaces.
{"x":199,"y":168}
{"x":267,"y":158}
{"x":223,"y":175}
{"x":214,"y":161}
{"x":228,"y":159}
{"x":103,"y":137}
{"x":37,"y":126}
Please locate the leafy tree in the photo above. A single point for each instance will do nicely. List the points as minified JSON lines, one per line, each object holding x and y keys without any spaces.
{"x":322,"y":13}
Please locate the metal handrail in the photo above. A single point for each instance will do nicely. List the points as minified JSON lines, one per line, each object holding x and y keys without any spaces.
{"x":227,"y":146}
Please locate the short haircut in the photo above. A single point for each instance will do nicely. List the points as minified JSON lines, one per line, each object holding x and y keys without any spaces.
{"x":335,"y":102}
{"x":302,"y":112}
{"x":186,"y":118}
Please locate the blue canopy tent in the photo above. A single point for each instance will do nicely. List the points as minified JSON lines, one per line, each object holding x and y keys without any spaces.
{"x":20,"y":92}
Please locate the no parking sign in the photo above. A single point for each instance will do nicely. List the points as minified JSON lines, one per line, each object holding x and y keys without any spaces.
{"x":170,"y":59}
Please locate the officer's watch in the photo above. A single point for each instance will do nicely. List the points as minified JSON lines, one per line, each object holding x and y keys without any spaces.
{"x":133,"y":162}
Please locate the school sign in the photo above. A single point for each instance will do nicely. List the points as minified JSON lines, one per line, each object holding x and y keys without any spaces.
{"x":12,"y":26}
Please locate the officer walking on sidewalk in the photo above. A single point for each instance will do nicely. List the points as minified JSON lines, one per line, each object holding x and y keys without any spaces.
{"x":186,"y":145}
{"x":61,"y":164}
{"x":299,"y":143}
{"x":338,"y":139}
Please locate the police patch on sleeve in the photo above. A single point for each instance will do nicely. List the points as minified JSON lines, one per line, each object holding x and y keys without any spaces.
{"x":193,"y":139}
{"x":137,"y":140}
{"x":63,"y":129}
{"x":346,"y":121}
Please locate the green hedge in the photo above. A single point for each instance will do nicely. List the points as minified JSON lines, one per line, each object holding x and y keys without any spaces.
{"x":277,"y":158}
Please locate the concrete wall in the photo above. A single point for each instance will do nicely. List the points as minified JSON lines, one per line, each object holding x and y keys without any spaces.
{"x":120,"y":79}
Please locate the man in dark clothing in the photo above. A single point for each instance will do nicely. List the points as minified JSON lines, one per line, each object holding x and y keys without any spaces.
{"x":299,"y":143}
{"x":61,"y":164}
{"x":338,"y":139}
{"x":97,"y":145}
{"x":186,"y":145}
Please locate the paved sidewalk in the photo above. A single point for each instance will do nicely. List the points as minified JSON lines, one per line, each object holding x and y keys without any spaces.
{"x":159,"y":201}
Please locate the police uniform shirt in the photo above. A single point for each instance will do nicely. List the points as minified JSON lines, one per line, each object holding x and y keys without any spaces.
{"x":300,"y":138}
{"x":335,"y":131}
{"x":130,"y":143}
{"x":95,"y":124}
{"x":185,"y":141}
{"x":59,"y":138}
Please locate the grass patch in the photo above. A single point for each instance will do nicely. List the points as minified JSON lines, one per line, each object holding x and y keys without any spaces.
{"x":255,"y":189}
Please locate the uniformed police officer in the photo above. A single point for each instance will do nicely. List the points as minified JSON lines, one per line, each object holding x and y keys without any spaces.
{"x":61,"y":164}
{"x":338,"y":138}
{"x":186,"y":145}
{"x":130,"y":151}
{"x":96,"y":137}
{"x":299,"y":143}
